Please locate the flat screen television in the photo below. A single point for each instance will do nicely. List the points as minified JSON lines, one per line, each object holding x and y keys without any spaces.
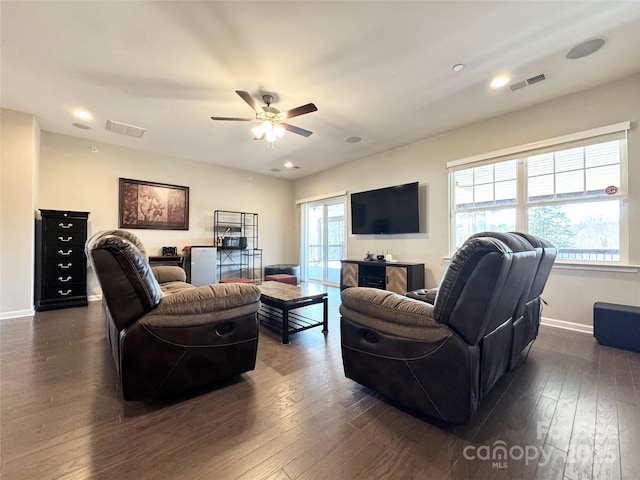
{"x":386,"y":210}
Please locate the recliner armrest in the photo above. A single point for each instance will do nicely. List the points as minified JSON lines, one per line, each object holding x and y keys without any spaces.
{"x":169,"y":273}
{"x":424,"y":295}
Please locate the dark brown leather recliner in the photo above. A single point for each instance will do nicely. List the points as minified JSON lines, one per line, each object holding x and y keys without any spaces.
{"x":169,"y":339}
{"x":526,"y":321}
{"x":525,"y":329}
{"x":440,"y":360}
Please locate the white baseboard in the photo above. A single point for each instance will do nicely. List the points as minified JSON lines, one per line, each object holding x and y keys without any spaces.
{"x":32,"y":312}
{"x":17,"y":314}
{"x":575,"y":327}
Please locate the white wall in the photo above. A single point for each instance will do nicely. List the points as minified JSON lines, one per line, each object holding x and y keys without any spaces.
{"x":570,"y":293}
{"x":72,"y":177}
{"x":19,"y":155}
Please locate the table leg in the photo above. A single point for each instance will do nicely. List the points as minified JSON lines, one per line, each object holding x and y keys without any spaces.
{"x":285,"y":325}
{"x":325,"y":317}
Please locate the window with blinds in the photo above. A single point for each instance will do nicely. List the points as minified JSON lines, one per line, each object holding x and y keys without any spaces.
{"x":569,"y":193}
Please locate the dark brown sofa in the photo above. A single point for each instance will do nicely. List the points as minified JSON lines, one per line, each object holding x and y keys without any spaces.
{"x":169,"y":338}
{"x":441,"y":359}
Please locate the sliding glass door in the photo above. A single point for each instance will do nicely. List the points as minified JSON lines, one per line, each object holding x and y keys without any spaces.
{"x":324,"y":239}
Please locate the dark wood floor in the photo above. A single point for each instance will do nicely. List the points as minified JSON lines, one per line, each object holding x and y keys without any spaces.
{"x":571,"y":412}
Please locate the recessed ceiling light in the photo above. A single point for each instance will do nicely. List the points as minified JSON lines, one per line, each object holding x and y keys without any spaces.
{"x":275,"y":169}
{"x":81,"y":126}
{"x":288,"y":165}
{"x":83,"y":115}
{"x":500,"y":81}
{"x":457,"y":67}
{"x":353,"y":139}
{"x":585,"y":48}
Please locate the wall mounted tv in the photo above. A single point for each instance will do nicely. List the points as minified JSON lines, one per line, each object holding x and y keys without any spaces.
{"x":386,"y":210}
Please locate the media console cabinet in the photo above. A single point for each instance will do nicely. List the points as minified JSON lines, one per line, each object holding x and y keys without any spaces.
{"x":396,"y":277}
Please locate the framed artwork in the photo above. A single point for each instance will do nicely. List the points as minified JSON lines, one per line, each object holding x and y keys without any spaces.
{"x":151,"y":205}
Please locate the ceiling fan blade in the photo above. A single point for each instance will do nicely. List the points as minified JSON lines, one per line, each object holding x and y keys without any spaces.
{"x":234,"y":119}
{"x":294,"y":112}
{"x":298,"y":130}
{"x":250,"y":100}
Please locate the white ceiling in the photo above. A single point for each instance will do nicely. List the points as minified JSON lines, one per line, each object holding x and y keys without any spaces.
{"x":378,"y":70}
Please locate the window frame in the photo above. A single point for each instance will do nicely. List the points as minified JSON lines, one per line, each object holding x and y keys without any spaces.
{"x":520,"y":153}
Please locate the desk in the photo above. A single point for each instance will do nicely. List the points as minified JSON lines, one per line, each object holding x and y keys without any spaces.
{"x":171,"y":260}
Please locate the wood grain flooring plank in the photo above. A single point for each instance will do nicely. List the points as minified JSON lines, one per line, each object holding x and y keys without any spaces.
{"x":629,"y":439}
{"x":559,"y":435}
{"x":624,"y":380}
{"x":582,"y":443}
{"x":296,"y":417}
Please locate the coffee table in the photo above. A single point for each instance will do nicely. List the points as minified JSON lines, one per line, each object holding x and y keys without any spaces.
{"x":279,"y":299}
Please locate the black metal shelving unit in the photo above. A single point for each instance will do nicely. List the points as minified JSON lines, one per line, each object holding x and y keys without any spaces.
{"x":236,"y":237}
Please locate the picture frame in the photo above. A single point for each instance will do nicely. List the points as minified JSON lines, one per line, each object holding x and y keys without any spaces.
{"x":153,"y":205}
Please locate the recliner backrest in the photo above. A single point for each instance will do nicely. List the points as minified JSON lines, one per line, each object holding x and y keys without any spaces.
{"x":128,"y":285}
{"x":483,"y":286}
{"x":548,"y":256}
{"x":517,"y":243}
{"x":124,"y":234}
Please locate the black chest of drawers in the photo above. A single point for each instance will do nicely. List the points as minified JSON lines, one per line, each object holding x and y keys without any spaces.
{"x":61,"y":266}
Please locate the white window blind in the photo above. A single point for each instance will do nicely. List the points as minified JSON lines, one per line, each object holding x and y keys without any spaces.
{"x":569,"y":190}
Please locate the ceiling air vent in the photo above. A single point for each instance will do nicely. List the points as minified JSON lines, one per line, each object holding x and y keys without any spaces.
{"x":527,"y":82}
{"x":125,"y":129}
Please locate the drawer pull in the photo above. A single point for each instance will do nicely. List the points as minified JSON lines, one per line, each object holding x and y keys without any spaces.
{"x":68,"y":265}
{"x":62,"y":239}
{"x":62,"y":252}
{"x":65,"y":279}
{"x":64,"y":294}
{"x":68,"y":225}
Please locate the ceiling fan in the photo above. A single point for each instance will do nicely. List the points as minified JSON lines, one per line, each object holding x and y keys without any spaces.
{"x":270,"y":119}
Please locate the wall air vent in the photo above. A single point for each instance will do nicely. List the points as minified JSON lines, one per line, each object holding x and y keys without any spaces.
{"x":527,"y":82}
{"x":125,"y":129}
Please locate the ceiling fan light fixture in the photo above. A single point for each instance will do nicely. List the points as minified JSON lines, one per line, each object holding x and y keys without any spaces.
{"x":267,"y":126}
{"x":269,"y":118}
{"x":278,"y":130}
{"x":257,"y":131}
{"x":271,"y":136}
